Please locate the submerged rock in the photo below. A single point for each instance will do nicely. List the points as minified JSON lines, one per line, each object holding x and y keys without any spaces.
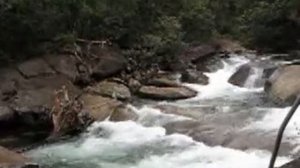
{"x":284,"y":85}
{"x":225,"y":135}
{"x":166,"y":93}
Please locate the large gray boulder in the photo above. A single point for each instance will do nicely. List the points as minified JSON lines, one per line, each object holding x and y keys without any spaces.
{"x":166,"y":93}
{"x":284,"y":85}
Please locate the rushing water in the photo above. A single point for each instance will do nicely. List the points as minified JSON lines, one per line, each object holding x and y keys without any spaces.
{"x":146,"y":144}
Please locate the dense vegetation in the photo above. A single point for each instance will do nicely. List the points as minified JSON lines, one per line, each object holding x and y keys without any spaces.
{"x":147,"y":27}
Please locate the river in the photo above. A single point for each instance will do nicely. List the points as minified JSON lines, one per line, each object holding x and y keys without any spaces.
{"x":237,"y":128}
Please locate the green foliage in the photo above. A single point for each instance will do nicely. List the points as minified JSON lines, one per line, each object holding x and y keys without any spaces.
{"x":267,"y":25}
{"x":158,"y":28}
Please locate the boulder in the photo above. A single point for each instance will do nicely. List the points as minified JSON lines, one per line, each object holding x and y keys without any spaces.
{"x":39,"y":92}
{"x":35,"y":99}
{"x":162,"y":82}
{"x":193,"y":76}
{"x":228,"y":46}
{"x":123,"y":113}
{"x":293,"y":164}
{"x":98,"y":107}
{"x":267,"y":72}
{"x":35,"y":67}
{"x":6,"y":115}
{"x":10,"y":159}
{"x":240,"y":77}
{"x":134,"y":85}
{"x":164,"y":79}
{"x":209,"y":64}
{"x":10,"y":79}
{"x":196,"y":53}
{"x":64,"y":64}
{"x":108,"y":62}
{"x":253,"y":74}
{"x":284,"y":84}
{"x":166,"y":93}
{"x":111,"y":89}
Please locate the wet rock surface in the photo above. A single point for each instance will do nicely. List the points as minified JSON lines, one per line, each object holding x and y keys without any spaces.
{"x":284,"y":85}
{"x":240,"y":77}
{"x":123,"y":113}
{"x":226,"y":136}
{"x":27,"y":91}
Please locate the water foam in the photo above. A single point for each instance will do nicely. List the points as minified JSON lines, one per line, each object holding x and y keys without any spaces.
{"x":218,"y":81}
{"x":131,"y":145}
{"x":144,"y":144}
{"x":272,"y":120}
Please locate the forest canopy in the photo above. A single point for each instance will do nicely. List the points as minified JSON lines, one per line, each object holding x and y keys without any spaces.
{"x":28,"y":27}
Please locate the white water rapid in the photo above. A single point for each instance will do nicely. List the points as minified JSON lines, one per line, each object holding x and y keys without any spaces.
{"x":250,"y":122}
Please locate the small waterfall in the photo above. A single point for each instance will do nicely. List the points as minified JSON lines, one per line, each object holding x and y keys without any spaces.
{"x":255,"y":79}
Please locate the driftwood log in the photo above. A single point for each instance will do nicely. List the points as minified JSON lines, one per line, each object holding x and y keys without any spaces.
{"x":68,"y":116}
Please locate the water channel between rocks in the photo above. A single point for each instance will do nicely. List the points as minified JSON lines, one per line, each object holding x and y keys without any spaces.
{"x":223,"y":127}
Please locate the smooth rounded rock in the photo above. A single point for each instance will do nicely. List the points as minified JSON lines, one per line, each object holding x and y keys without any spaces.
{"x":166,"y":93}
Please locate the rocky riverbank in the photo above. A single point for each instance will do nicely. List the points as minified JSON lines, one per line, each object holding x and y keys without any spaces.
{"x":104,"y":87}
